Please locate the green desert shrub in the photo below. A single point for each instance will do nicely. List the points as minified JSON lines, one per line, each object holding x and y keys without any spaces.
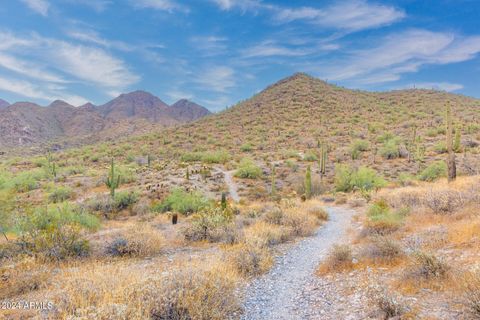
{"x":247,"y":169}
{"x":405,"y":179}
{"x":434,"y":171}
{"x":125,"y":199}
{"x":220,"y":156}
{"x":26,"y":180}
{"x":287,"y":154}
{"x":55,"y":232}
{"x":364,"y":178}
{"x":440,"y":147}
{"x":310,"y":156}
{"x":357,"y":147}
{"x":246,"y":147}
{"x":60,"y":194}
{"x":390,"y":149}
{"x":213,"y":224}
{"x":183,"y":202}
{"x":382,"y":220}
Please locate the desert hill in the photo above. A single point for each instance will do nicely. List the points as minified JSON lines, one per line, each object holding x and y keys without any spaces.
{"x":293,"y":117}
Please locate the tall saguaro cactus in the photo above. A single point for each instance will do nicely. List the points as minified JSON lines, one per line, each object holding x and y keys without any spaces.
{"x":113,"y":179}
{"x":323,"y":160}
{"x":451,"y":165}
{"x":308,"y":183}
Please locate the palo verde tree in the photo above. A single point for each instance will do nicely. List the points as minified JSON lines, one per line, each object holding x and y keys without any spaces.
{"x":113,"y":179}
{"x":451,"y":165}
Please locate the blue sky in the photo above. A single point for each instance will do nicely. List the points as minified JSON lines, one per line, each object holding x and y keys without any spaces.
{"x":217,"y":52}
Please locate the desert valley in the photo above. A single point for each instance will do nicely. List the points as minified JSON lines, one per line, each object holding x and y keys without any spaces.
{"x":239,"y":160}
{"x":307,"y":200}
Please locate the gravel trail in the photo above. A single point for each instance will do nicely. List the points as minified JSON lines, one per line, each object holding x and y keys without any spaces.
{"x":232,"y":187}
{"x":280,"y":293}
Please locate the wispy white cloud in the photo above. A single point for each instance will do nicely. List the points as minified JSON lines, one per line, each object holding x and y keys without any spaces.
{"x":401,"y":53}
{"x":350,"y":15}
{"x":216,"y":78}
{"x":39,"y":6}
{"x":51,"y":62}
{"x":270,"y":48}
{"x":28,"y":69}
{"x":210,"y":45}
{"x":97,"y":5}
{"x":90,"y":64}
{"x":91,"y":36}
{"x":243,"y":5}
{"x":164,"y":5}
{"x":31,"y":90}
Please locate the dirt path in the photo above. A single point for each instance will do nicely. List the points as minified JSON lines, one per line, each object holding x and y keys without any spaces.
{"x":232,"y":186}
{"x":280,"y":293}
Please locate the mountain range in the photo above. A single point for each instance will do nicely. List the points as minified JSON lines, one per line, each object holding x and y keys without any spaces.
{"x":27,"y":124}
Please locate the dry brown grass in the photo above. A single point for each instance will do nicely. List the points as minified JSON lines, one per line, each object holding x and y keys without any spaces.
{"x":249,"y":260}
{"x":23,"y":277}
{"x":138,"y":241}
{"x":339,"y":259}
{"x":192,"y":290}
{"x":263,"y":234}
{"x":471,"y":293}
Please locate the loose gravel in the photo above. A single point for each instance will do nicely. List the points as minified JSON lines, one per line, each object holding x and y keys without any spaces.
{"x":280,"y":294}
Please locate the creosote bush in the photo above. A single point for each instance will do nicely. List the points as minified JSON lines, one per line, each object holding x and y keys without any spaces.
{"x":214,"y":225}
{"x":382,"y":220}
{"x":348,"y":179}
{"x":247,"y":169}
{"x":434,"y":171}
{"x":55,"y":232}
{"x":183,"y":202}
{"x":60,"y":194}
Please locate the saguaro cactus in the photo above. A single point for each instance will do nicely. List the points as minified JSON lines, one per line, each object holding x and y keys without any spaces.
{"x":308,"y":183}
{"x":51,"y":166}
{"x":451,"y":165}
{"x":113,"y":179}
{"x":223,"y":203}
{"x":323,"y":160}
